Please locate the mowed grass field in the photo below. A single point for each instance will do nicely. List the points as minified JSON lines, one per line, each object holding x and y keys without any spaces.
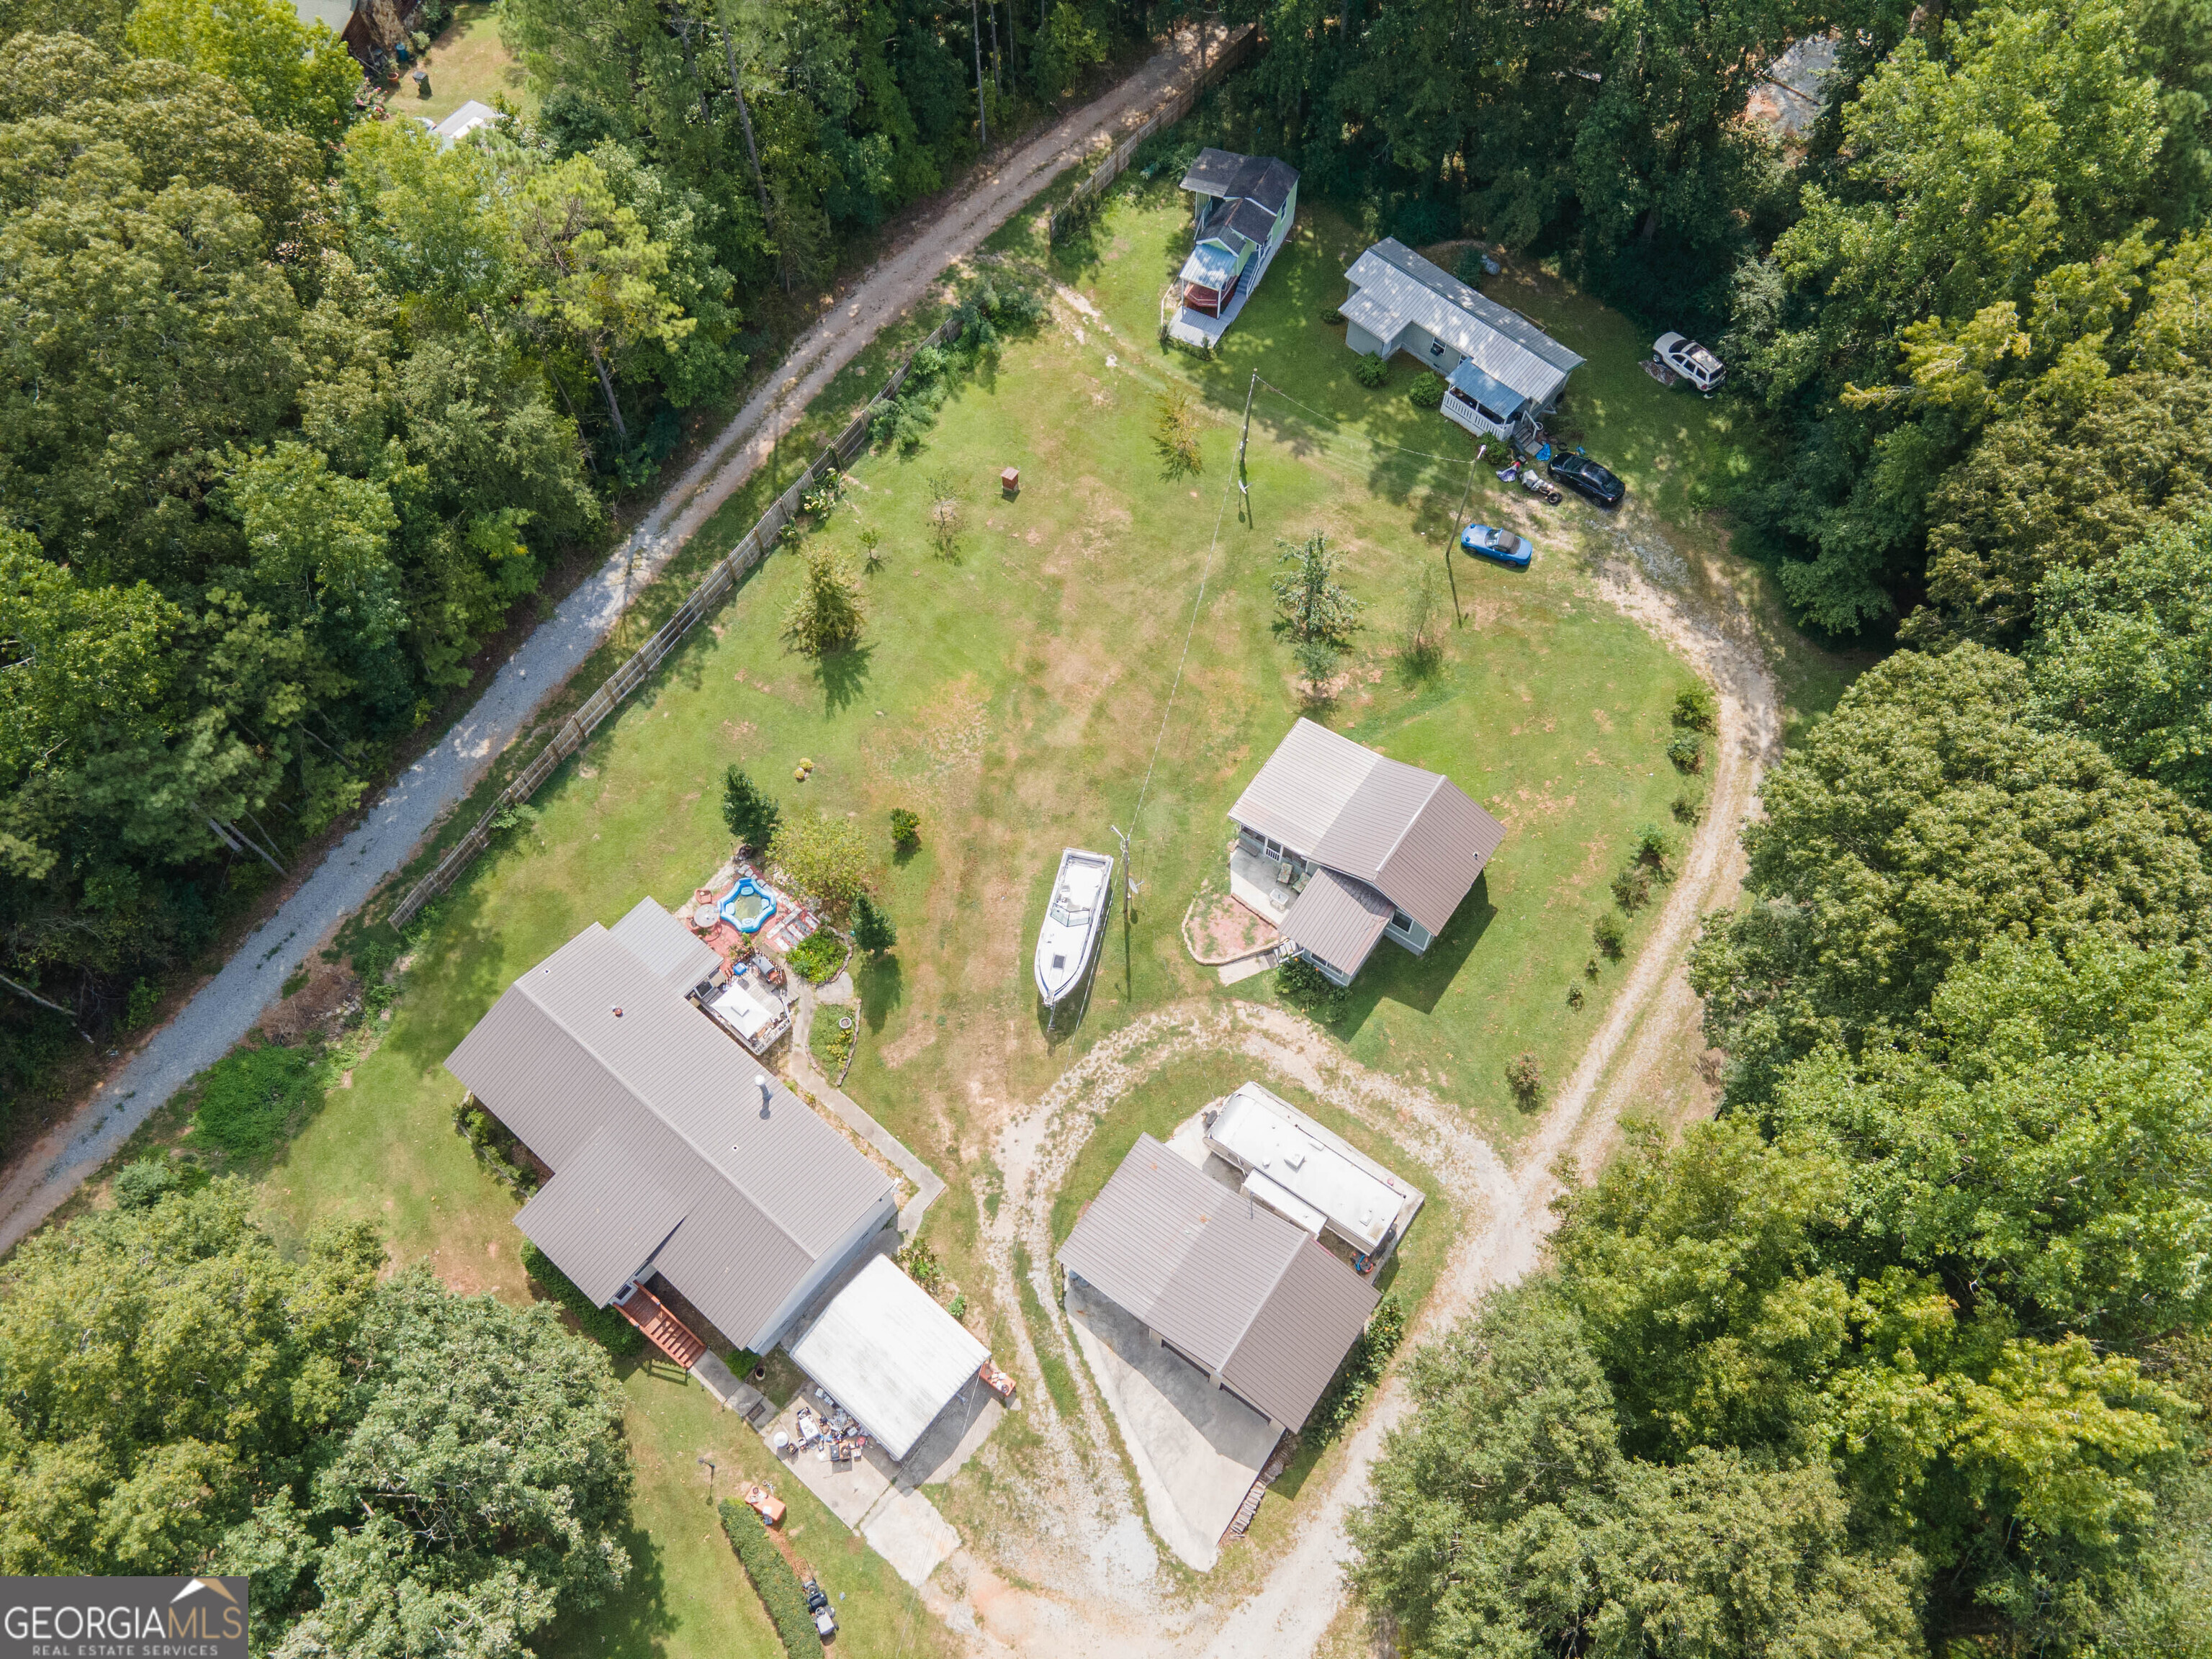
{"x":1014,"y":688}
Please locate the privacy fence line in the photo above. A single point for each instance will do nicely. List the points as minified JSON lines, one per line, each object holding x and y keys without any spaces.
{"x":712,"y":589}
{"x":1068,"y":212}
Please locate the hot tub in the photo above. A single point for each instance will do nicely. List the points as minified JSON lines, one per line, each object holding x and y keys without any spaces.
{"x":749,"y":906}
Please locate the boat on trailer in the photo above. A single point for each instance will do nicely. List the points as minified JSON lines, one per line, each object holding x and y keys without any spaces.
{"x":1075,"y":922}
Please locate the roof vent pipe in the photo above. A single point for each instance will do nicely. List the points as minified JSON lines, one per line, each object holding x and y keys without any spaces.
{"x":759,"y":1082}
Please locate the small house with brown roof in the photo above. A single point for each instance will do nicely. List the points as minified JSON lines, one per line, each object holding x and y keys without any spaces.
{"x":1339,"y":846}
{"x":1257,"y":1303}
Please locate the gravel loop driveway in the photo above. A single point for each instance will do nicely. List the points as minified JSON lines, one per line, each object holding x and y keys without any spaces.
{"x":227,"y":1007}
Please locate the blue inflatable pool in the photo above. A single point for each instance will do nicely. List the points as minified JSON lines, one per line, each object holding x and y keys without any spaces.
{"x":749,"y":906}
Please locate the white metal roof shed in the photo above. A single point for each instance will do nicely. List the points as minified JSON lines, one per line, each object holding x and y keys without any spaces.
{"x":888,"y":1355}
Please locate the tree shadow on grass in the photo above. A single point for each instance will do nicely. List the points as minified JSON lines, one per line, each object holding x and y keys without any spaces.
{"x":633,"y":1623}
{"x":881,"y":984}
{"x":843,"y":676}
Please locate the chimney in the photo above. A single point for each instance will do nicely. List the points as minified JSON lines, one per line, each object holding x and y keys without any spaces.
{"x":759,"y":1082}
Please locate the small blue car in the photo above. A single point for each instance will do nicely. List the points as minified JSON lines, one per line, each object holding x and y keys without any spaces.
{"x":1501,"y":545}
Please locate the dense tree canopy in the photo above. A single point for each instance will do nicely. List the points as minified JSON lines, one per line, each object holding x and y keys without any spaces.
{"x":398,"y":1470}
{"x":1928,"y":816}
{"x":2123,"y":653}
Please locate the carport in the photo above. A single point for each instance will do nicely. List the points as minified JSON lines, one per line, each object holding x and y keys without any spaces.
{"x":888,"y":1355}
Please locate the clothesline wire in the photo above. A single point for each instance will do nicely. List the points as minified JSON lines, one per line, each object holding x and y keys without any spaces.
{"x":1198,"y":604}
{"x":1380,"y":443}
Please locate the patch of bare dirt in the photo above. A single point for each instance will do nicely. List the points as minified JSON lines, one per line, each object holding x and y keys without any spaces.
{"x":1073,"y":1567}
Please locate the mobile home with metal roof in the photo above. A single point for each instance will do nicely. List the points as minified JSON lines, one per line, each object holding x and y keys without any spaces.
{"x":1500,"y":370}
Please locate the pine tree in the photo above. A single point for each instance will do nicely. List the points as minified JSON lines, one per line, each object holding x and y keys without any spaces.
{"x":746,"y":808}
{"x":873,"y":930}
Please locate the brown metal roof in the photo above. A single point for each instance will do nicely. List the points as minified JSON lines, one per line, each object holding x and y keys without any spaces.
{"x":765,"y":1194}
{"x":1265,"y":180}
{"x":1239,"y":1289}
{"x":1337,"y":918}
{"x":1413,"y":836}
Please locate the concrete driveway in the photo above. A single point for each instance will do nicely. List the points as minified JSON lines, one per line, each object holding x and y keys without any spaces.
{"x":1198,"y":1449}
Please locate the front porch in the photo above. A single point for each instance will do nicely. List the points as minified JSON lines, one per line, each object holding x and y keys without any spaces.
{"x":1256,"y":882}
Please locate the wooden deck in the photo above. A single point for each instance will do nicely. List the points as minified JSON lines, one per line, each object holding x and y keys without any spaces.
{"x":662,"y":1329}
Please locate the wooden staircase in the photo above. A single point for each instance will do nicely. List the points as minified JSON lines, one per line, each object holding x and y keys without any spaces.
{"x":1276,"y":1464}
{"x":662,"y":1329}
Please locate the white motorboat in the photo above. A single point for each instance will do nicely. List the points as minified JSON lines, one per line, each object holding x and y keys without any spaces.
{"x":1075,"y":922}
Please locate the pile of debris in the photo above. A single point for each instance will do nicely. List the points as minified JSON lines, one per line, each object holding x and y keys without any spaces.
{"x":831,"y":1433}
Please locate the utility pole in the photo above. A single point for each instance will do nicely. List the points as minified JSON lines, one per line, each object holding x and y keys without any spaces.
{"x":1243,"y":486}
{"x":982,"y":114}
{"x":1128,"y":909}
{"x":1459,"y":621}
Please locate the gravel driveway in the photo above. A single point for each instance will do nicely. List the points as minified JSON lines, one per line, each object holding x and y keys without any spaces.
{"x":225,"y":1009}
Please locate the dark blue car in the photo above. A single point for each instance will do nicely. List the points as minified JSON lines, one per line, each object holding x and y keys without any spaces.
{"x":1502,"y":546}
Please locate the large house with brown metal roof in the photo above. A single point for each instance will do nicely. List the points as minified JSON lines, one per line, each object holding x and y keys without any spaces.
{"x":1339,"y":846}
{"x":672,"y":1152}
{"x":1258,"y":1304}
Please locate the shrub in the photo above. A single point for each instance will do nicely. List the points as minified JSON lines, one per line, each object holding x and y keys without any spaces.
{"x":1693,"y":709}
{"x":494,"y":1147}
{"x":1310,"y":604}
{"x":1469,"y":269}
{"x":1609,"y":934}
{"x":906,"y":829}
{"x":1302,"y":985}
{"x":145,"y":998}
{"x":1371,"y":372}
{"x":250,"y":1098}
{"x":1525,"y":1077}
{"x":1427,"y":392}
{"x":602,"y":1325}
{"x":1651,"y":848}
{"x":773,"y":1580}
{"x":1631,"y":888}
{"x":1574,"y":995}
{"x":871,"y":547}
{"x":1331,"y":318}
{"x":1688,"y":807}
{"x":816,"y":958}
{"x":1686,"y":752}
{"x":1174,"y":434}
{"x":829,"y":609}
{"x":947,"y":519}
{"x":1363,"y":1369}
{"x":145,"y":1183}
{"x":921,"y":1264}
{"x":746,"y":809}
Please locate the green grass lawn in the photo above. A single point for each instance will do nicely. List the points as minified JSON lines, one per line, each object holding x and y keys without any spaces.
{"x":468,"y":60}
{"x":1012,"y":691}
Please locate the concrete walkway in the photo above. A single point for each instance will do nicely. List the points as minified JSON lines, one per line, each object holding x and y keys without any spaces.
{"x":223,"y":1010}
{"x":927,"y":1188}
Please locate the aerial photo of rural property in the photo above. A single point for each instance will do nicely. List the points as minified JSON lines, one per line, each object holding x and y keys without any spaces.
{"x":1105,"y":830}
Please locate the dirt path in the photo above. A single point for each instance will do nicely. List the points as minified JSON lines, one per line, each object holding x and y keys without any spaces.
{"x":225,"y":1008}
{"x":1071,"y":1520}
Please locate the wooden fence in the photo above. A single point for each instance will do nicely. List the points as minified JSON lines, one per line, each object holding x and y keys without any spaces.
{"x":1238,"y":48}
{"x":713,"y":588}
